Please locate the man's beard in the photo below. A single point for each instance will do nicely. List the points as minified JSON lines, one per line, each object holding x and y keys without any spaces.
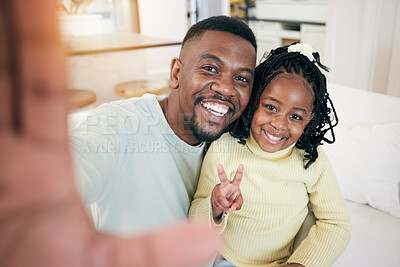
{"x":201,"y":134}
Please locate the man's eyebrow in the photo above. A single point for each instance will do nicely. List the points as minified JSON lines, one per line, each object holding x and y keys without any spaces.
{"x":214,"y":57}
{"x":248,"y":70}
{"x":211,"y":56}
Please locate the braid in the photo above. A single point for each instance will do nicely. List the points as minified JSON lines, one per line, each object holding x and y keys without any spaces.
{"x":324,"y":119}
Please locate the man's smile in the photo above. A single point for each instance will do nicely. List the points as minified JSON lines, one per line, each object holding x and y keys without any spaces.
{"x":217,"y":109}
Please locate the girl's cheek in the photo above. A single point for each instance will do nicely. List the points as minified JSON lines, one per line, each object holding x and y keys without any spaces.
{"x":298,"y":130}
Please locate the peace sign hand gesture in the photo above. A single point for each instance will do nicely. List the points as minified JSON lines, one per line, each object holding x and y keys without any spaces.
{"x":226,"y":196}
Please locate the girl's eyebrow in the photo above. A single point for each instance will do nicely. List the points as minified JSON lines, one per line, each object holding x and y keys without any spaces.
{"x":272,"y":99}
{"x":301,"y":110}
{"x":279,"y":102}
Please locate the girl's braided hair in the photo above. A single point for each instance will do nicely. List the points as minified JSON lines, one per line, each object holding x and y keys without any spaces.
{"x":280,"y":61}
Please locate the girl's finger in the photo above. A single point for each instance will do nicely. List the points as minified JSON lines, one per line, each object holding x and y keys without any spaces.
{"x":237,"y":203}
{"x":222,"y":175}
{"x":238,"y":176}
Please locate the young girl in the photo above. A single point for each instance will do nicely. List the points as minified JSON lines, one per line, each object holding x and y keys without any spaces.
{"x":274,"y":146}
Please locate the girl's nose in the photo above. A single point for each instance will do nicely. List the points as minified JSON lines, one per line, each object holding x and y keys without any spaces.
{"x":279,"y":121}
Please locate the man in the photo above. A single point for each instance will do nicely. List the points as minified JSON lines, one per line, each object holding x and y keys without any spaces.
{"x":138,"y":160}
{"x":42,"y":223}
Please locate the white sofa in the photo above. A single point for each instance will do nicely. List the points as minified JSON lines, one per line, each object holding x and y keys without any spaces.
{"x":366,"y":159}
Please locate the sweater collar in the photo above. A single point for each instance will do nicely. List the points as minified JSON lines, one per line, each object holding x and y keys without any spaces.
{"x":253,"y":146}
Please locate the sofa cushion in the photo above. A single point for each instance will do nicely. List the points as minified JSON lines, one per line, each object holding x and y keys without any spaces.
{"x":374,"y":238}
{"x":366,"y":161}
{"x":360,"y":108}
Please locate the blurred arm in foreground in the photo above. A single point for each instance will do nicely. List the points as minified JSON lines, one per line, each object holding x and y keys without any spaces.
{"x":42,"y":222}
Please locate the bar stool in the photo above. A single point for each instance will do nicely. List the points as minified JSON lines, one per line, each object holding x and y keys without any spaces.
{"x":79,"y":98}
{"x":141,"y":87}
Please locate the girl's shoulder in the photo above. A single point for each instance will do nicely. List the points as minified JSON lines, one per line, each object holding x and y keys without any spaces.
{"x":320,"y":164}
{"x":225,"y":142}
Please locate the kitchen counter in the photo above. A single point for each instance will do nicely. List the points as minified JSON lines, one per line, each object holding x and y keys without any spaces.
{"x":94,"y":44}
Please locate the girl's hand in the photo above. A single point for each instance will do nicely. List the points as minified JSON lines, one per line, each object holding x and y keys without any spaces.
{"x":226,"y":196}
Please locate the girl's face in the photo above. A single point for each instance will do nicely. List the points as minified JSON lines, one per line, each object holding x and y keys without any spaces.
{"x":285,"y":108}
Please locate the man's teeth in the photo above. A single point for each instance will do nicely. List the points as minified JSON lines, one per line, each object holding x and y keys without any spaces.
{"x":273,"y":138}
{"x":216,"y":109}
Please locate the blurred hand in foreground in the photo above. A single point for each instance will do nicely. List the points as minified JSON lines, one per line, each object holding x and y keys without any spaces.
{"x":42,"y":222}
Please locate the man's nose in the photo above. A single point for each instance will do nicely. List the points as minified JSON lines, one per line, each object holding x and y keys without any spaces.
{"x":224,"y":86}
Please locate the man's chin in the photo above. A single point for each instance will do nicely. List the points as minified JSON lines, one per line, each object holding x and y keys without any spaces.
{"x":205,"y":130}
{"x":202,"y":135}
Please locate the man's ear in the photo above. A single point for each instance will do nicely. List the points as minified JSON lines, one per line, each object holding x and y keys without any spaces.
{"x":176,"y":67}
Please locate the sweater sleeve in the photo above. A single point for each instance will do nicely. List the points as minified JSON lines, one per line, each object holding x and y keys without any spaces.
{"x":94,"y":150}
{"x":201,"y":208}
{"x":330,"y":235}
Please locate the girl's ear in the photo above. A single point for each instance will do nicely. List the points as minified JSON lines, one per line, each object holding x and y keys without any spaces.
{"x":176,"y":66}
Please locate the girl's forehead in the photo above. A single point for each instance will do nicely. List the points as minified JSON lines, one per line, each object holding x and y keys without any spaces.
{"x":291,"y":77}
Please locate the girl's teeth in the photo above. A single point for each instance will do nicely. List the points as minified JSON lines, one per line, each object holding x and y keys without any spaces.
{"x":274,"y":138}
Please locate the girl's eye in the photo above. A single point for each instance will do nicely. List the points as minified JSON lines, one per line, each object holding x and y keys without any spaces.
{"x":270,"y":107}
{"x":296,"y":117}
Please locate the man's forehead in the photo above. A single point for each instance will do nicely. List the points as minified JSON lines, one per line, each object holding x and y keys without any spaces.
{"x":213,"y":40}
{"x":218,"y":36}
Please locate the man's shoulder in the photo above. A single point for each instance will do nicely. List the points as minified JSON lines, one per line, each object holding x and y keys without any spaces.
{"x":144,"y":104}
{"x":145,"y":109}
{"x":128,"y":115}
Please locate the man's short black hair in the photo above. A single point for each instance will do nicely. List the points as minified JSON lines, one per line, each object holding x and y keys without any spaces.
{"x":224,"y":24}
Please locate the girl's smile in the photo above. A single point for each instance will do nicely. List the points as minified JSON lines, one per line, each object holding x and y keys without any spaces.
{"x":285,"y":108}
{"x":273,"y":139}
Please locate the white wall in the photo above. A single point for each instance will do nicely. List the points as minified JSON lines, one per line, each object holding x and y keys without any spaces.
{"x":164,"y":19}
{"x":393,"y":87}
{"x":208,"y":8}
{"x":360,"y":44}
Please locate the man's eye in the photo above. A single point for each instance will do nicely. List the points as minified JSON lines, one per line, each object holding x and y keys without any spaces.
{"x":209,"y":68}
{"x":242,"y":79}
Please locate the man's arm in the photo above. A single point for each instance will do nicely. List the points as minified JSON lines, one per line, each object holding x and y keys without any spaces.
{"x":42,"y":222}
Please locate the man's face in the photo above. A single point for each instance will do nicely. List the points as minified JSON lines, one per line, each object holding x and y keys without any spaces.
{"x":214,"y":82}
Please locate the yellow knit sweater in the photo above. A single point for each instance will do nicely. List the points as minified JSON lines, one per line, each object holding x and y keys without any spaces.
{"x":276,"y":189}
